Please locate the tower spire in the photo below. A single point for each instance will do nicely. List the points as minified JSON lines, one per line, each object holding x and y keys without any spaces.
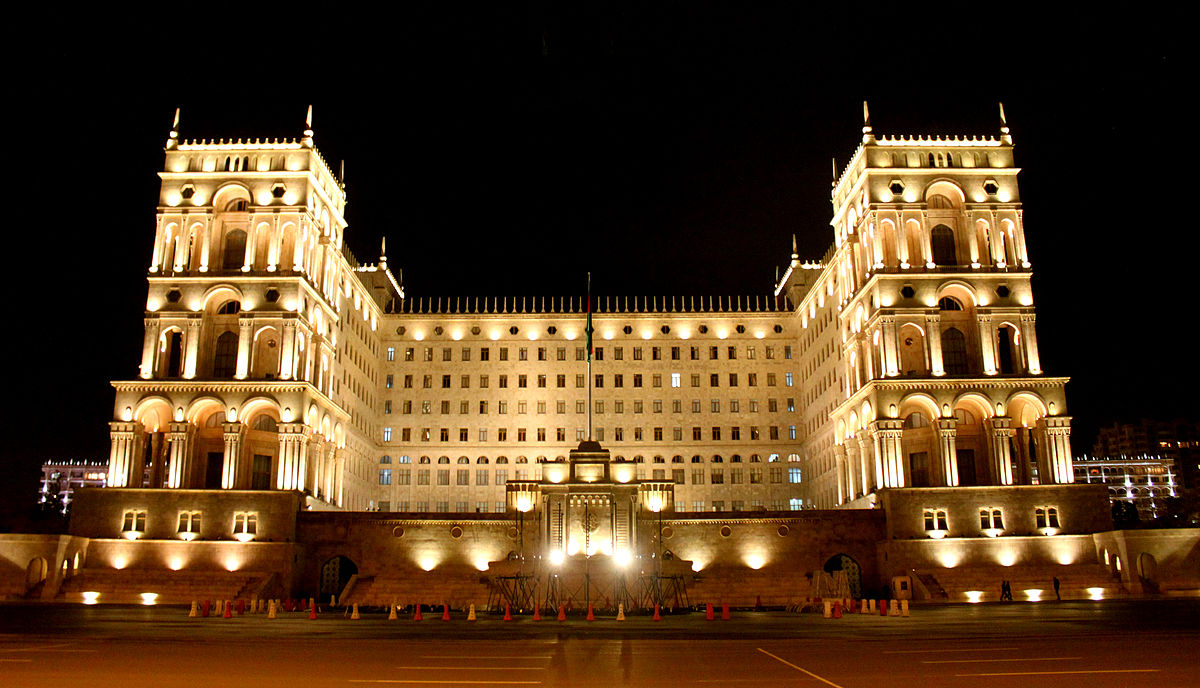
{"x":1005,"y":136}
{"x":868,"y":132}
{"x":383,"y":252}
{"x":173,"y":138}
{"x":308,"y":132}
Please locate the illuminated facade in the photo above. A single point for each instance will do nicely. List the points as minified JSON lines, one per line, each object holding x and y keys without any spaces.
{"x":273,"y":359}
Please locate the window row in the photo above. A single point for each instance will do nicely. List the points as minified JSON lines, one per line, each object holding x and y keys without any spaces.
{"x":484,"y":476}
{"x":698,"y":433}
{"x":991,"y":520}
{"x":188,"y":525}
{"x":616,"y":380}
{"x":541,"y":406}
{"x":637,"y":353}
{"x":502,"y":460}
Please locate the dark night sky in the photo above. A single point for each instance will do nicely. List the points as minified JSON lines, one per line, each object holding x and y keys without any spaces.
{"x":667,"y":151}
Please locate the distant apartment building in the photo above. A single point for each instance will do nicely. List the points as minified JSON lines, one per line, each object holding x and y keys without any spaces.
{"x":64,"y":477}
{"x":1175,"y":440}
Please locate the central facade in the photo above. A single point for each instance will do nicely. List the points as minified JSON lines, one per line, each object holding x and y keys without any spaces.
{"x":273,"y":359}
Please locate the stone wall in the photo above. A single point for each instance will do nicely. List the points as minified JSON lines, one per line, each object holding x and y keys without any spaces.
{"x":1082,"y":509}
{"x":99,"y":513}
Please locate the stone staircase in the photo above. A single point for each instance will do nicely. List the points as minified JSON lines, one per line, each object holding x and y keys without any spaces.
{"x":172,"y":587}
{"x":1075,"y":581}
{"x":403,"y":587}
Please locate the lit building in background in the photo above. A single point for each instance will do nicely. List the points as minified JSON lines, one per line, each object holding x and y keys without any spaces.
{"x":1177,"y":441}
{"x":1144,"y":481}
{"x":60,"y":479}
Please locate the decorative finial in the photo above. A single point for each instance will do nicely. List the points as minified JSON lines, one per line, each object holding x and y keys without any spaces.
{"x":173,"y":139}
{"x":383,"y":252}
{"x":308,"y":132}
{"x":868,"y":132}
{"x":342,"y":172}
{"x":1005,"y":136}
{"x":795,"y":254}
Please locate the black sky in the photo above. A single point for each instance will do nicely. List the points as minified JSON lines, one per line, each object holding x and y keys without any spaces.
{"x":667,"y":150}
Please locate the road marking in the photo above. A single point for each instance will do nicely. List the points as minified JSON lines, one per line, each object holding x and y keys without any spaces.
{"x":1081,"y":671}
{"x":961,"y":649}
{"x":445,"y":682}
{"x":43,"y":648}
{"x":780,"y":659}
{"x":485,"y":656}
{"x":474,"y":668}
{"x":16,"y":660}
{"x":1008,"y":659}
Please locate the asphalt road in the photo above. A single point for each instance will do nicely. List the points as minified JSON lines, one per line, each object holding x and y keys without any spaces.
{"x":1093,"y":644}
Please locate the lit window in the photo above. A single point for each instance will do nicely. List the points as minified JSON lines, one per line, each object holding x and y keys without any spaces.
{"x":189,"y":525}
{"x":245,"y":525}
{"x":385,"y":476}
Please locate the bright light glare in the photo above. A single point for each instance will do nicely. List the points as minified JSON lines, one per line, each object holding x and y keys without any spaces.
{"x":149,"y":598}
{"x":1034,"y":594}
{"x":1095,"y":593}
{"x":973,"y":596}
{"x":556,"y":557}
{"x":623,"y":558}
{"x":91,"y":597}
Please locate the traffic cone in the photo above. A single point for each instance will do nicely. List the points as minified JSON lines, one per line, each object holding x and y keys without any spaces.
{"x":445,"y":612}
{"x":392,"y":612}
{"x":417,"y":614}
{"x":863,"y":607}
{"x":312,"y":612}
{"x":837,"y":610}
{"x":271,"y":609}
{"x":562,"y":612}
{"x":507,"y":612}
{"x":354,"y":613}
{"x":724,"y":612}
{"x":204,"y":608}
{"x":591,"y":615}
{"x":883,"y":607}
{"x":621,"y":612}
{"x":827,"y":609}
{"x":195,"y":611}
{"x":903,"y":607}
{"x":332,"y":601}
{"x":657,"y":616}
{"x":471,"y":613}
{"x":241,"y":607}
{"x":708,"y":612}
{"x":228,"y":610}
{"x":537,"y":613}
{"x":894,"y":608}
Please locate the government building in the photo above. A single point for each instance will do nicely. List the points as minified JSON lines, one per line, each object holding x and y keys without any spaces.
{"x":301,"y":425}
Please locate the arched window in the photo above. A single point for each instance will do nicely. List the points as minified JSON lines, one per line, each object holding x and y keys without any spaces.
{"x":423,"y":459}
{"x":225,"y":361}
{"x":501,"y":459}
{"x":482,"y":459}
{"x":173,"y":361}
{"x":717,"y":458}
{"x":954,"y":352}
{"x":230,"y":308}
{"x":268,"y":424}
{"x":697,"y":459}
{"x":463,"y":459}
{"x":236,"y":206}
{"x":754,"y":458}
{"x":916,"y":420}
{"x":522,"y":459}
{"x":942,"y":243}
{"x":235,"y":249}
{"x":385,"y":459}
{"x":736,"y":458}
{"x":949,"y":303}
{"x":443,"y":459}
{"x":677,"y":459}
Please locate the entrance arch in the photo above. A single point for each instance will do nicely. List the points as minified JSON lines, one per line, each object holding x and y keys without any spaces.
{"x":844,"y":562}
{"x":335,"y":573}
{"x":1147,"y":569}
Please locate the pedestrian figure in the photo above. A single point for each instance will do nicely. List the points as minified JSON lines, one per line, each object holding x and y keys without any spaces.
{"x":1005,"y":591}
{"x":1056,"y":584}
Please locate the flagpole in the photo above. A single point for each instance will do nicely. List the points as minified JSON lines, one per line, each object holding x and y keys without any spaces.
{"x":588,"y":330}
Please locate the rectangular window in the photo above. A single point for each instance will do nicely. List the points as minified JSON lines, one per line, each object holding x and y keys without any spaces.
{"x":427,"y":355}
{"x":677,"y":476}
{"x":769,"y":351}
{"x":733,"y":382}
{"x":422,"y":476}
{"x":787,"y":379}
{"x":752,"y":379}
{"x":716,"y":433}
{"x":541,"y":353}
{"x":697,"y":434}
{"x":674,"y":353}
{"x":463,"y":435}
{"x":618,"y":407}
{"x":484,"y":353}
{"x":389,"y":381}
{"x":387,"y":406}
{"x":520,"y":434}
{"x":385,"y":476}
{"x":677,"y":434}
{"x":504,"y":353}
{"x":483,"y":381}
{"x":483,"y":434}
{"x":446,"y":406}
{"x":443,"y":507}
{"x":657,"y":380}
{"x":560,"y":434}
{"x":694,"y":353}
{"x":481,"y":507}
{"x":756,"y":476}
{"x":444,"y":434}
{"x":465,"y":382}
{"x":189,"y":523}
{"x":502,"y":406}
{"x":541,"y":434}
{"x":427,"y":382}
{"x":658,"y":434}
{"x":770,"y":379}
{"x":561,"y":381}
{"x":245,"y":523}
{"x":408,"y":354}
{"x":794,"y":476}
{"x":732,"y":352}
{"x":787,"y":351}
{"x":501,"y":476}
{"x":391,"y":353}
{"x":599,"y":381}
{"x":403,"y":476}
{"x":637,"y":433}
{"x":735,"y":476}
{"x":791,"y":405}
{"x":443,"y":476}
{"x":466,"y":353}
{"x":522,"y":381}
{"x":580,"y":353}
{"x":776,"y":474}
{"x":656,"y":353}
{"x":735,"y":433}
{"x":715,"y":405}
{"x":580,"y":381}
{"x":935,"y":520}
{"x":523,"y":354}
{"x":561,"y":353}
{"x":387,"y":434}
{"x":714,"y":352}
{"x":619,"y":353}
{"x":408,"y":382}
{"x":618,"y":380}
{"x":675,"y":379}
{"x":714,"y":380}
{"x":502,"y":433}
{"x":462,"y":476}
{"x":697,"y":476}
{"x":503,"y":382}
{"x":560,"y":406}
{"x":464,"y":406}
{"x":580,"y":406}
{"x":599,"y":354}
{"x":750,"y":352}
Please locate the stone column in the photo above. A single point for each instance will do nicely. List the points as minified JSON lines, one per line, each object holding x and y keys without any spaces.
{"x":926,"y":243}
{"x":1001,"y":433}
{"x":150,"y":348}
{"x":287,"y":354}
{"x":245,"y":334}
{"x":946,"y":429}
{"x":865,"y":445}
{"x":890,"y":462}
{"x":851,"y":462}
{"x":124,"y":463}
{"x":179,"y":462}
{"x":987,"y":343}
{"x":933,"y":338}
{"x":891,"y":358}
{"x":233,"y":453}
{"x":1056,"y":431}
{"x":292,"y":439}
{"x":839,"y":454}
{"x":191,"y":346}
{"x":339,"y":468}
{"x":1029,"y":338}
{"x":157,"y":257}
{"x":251,"y":243}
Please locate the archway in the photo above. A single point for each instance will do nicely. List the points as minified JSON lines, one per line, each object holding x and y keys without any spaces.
{"x":1147,"y":568}
{"x":335,"y":573}
{"x":35,"y":573}
{"x":844,"y":562}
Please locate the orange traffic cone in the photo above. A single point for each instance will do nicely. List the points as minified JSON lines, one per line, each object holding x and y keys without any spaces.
{"x":312,"y":612}
{"x":837,"y":610}
{"x":562,"y":612}
{"x":591,"y":614}
{"x":883,"y":607}
{"x":657,"y":616}
{"x":241,"y":608}
{"x":417,"y":614}
{"x":228,"y":610}
{"x":708,"y":611}
{"x":537,"y":613}
{"x":724,"y":612}
{"x":507,"y":612}
{"x":445,"y":612}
